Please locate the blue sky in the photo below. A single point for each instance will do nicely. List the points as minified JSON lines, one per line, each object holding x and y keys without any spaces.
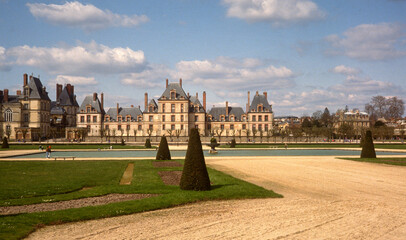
{"x":306,"y":54}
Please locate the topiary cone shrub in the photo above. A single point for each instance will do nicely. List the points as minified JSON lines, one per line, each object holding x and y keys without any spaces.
{"x":232,"y":144}
{"x":194,"y":174}
{"x":368,"y":149}
{"x":148,"y":143}
{"x":5,"y":143}
{"x":163,"y":150}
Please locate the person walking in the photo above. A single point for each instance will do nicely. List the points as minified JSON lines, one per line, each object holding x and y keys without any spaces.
{"x":48,"y":152}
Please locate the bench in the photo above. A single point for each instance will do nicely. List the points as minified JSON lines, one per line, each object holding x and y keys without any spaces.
{"x":64,"y":158}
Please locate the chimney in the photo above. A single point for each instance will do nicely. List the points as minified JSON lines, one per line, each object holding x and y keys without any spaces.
{"x":204,"y":100}
{"x":132,"y":106}
{"x":180,"y":82}
{"x":59,"y":91}
{"x":18,"y":92}
{"x":166,"y":83}
{"x":226,"y":108}
{"x":256,"y":94}
{"x":146,"y":102}
{"x":72,"y":90}
{"x":118,"y":110}
{"x":248,"y":104}
{"x":94,"y":96}
{"x":197,"y":96}
{"x":102,"y":100}
{"x":5,"y":96}
{"x":188,"y":96}
{"x":25,"y":79}
{"x":266,"y":95}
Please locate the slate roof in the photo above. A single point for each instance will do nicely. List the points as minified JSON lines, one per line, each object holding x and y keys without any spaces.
{"x":67,"y":100}
{"x":217,"y":111}
{"x":179,"y":92}
{"x":11,"y":99}
{"x":155,"y":106}
{"x":195,"y":101}
{"x":259,"y":99}
{"x":133,"y":112}
{"x":36,"y":89}
{"x":56,"y":109}
{"x":95,"y":104}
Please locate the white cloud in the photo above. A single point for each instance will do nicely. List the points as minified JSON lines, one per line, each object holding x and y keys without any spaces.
{"x":341,"y":69}
{"x":4,"y":66}
{"x":228,"y":73}
{"x":152,"y":77}
{"x":366,"y":86}
{"x":274,"y":11}
{"x":370,"y":42}
{"x":83,"y":59}
{"x":75,"y":80}
{"x":88,"y":17}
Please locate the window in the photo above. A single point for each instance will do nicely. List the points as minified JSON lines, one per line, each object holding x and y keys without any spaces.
{"x":232,"y":118}
{"x":172,"y":108}
{"x":128,"y":118}
{"x":88,"y":118}
{"x":163,"y":126}
{"x":163,"y":107}
{"x":259,"y":118}
{"x":222,"y":126}
{"x":260,"y":127}
{"x":26,"y":117}
{"x":151,"y":127}
{"x":173,"y":127}
{"x":181,"y":107}
{"x":209,"y":126}
{"x":244,"y":126}
{"x":82,"y":118}
{"x":151,"y":118}
{"x":106,"y":126}
{"x":151,"y":108}
{"x":88,"y":109}
{"x":266,"y":118}
{"x":196,"y":118}
{"x":8,"y":115}
{"x":181,"y":127}
{"x":172,"y":118}
{"x":260,"y":108}
{"x":94,"y":118}
{"x":232,"y":126}
{"x":139,"y":127}
{"x":266,"y":127}
{"x":118,"y":127}
{"x":181,"y":118}
{"x":128,"y":127}
{"x":163,"y":118}
{"x":222,"y":118}
{"x":173,"y":94}
{"x":25,"y":105}
{"x":244,"y":118}
{"x":254,"y":118}
{"x":107,"y":118}
{"x":254,"y":127}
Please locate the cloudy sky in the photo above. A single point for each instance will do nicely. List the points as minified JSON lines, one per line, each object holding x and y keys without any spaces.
{"x":307,"y":54}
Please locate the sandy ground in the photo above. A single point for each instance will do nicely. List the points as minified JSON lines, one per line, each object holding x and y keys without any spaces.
{"x":325,"y":198}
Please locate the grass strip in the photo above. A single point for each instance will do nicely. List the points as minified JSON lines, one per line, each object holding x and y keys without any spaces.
{"x":389,"y":161}
{"x":65,"y":179}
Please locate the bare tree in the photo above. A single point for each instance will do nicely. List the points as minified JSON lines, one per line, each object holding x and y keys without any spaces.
{"x":381,"y":107}
{"x":219,"y":132}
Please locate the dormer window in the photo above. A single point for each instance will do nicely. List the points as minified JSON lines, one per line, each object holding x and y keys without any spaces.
{"x":260,"y":108}
{"x":173,"y":94}
{"x":88,"y":108}
{"x":119,"y":118}
{"x":151,"y":108}
{"x":107,"y":118}
{"x":222,"y":118}
{"x":128,"y":118}
{"x":232,"y":118}
{"x":140,"y":118}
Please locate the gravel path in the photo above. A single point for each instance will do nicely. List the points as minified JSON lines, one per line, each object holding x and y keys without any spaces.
{"x":325,"y":198}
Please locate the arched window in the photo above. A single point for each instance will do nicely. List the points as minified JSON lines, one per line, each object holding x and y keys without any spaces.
{"x":8,"y":115}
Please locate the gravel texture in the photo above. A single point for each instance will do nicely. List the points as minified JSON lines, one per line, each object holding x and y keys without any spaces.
{"x":324,"y":198}
{"x":170,"y":177}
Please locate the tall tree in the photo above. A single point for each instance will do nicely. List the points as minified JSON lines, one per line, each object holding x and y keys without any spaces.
{"x":326,"y":117}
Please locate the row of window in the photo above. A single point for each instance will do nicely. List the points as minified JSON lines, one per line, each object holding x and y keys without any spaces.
{"x":244,"y":127}
{"x":244,"y":118}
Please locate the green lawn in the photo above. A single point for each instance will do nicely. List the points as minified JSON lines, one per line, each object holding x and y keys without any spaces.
{"x":29,"y":182}
{"x":313,"y":145}
{"x":386,"y":160}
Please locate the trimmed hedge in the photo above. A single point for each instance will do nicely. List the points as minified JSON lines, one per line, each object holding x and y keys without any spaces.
{"x":163,"y":150}
{"x":148,"y":143}
{"x":368,"y":149}
{"x":232,"y":144}
{"x":194,"y":174}
{"x":5,"y":143}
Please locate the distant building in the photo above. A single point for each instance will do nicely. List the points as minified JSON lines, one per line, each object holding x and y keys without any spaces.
{"x":26,"y":115}
{"x":358,"y":120}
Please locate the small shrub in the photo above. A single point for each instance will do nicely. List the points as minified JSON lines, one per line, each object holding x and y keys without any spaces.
{"x":194,"y":174}
{"x":232,"y":144}
{"x":148,"y":143}
{"x":368,"y":149}
{"x":163,"y":150}
{"x":5,"y":143}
